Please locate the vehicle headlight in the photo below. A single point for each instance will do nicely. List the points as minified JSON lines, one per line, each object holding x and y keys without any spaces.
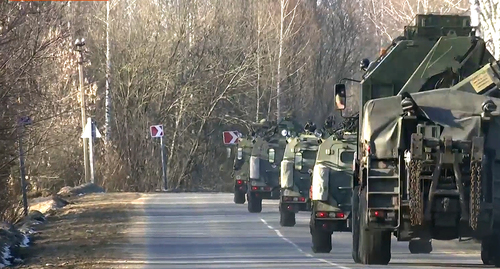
{"x":284,"y":133}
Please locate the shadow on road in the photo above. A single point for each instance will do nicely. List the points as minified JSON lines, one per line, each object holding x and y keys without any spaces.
{"x":440,"y":265}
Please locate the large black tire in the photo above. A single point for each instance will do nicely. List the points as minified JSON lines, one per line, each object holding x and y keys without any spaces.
{"x":374,"y":246}
{"x":355,"y":225}
{"x":254,"y":203}
{"x":287,"y":218}
{"x":321,"y":241}
{"x":420,"y":246}
{"x":239,"y":197}
{"x":490,"y":250}
{"x":486,"y":256}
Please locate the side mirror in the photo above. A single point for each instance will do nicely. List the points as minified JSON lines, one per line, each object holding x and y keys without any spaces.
{"x":272,"y":155}
{"x":340,"y":96}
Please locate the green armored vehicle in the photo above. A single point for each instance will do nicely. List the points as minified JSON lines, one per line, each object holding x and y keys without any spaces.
{"x":296,"y":170}
{"x":241,"y":169}
{"x":427,"y":157}
{"x":267,"y":153}
{"x":331,"y":190}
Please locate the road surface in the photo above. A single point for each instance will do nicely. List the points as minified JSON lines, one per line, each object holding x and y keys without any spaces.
{"x":205,"y":230}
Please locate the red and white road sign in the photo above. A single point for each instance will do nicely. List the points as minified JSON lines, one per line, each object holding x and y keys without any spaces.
{"x":230,"y":137}
{"x":156,"y":130}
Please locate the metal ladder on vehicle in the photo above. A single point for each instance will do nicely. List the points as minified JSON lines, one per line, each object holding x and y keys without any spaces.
{"x":383,"y":187}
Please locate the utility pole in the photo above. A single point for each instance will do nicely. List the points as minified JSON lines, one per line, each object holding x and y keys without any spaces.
{"x":79,"y":47}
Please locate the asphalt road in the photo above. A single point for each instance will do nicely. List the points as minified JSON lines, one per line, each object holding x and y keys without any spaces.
{"x":205,"y":230}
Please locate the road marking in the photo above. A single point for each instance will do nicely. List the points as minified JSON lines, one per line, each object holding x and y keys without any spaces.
{"x":299,"y":249}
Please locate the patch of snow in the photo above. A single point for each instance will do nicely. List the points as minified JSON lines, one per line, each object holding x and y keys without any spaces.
{"x":25,"y":242}
{"x":36,"y":222}
{"x":6,"y":256}
{"x":31,"y":231}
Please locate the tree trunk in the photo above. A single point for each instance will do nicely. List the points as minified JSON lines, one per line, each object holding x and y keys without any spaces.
{"x":278,"y":74}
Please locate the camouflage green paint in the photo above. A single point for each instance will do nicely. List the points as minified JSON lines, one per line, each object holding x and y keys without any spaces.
{"x":337,"y":154}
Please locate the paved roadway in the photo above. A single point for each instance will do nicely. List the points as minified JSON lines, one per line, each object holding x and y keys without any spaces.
{"x":204,"y":230}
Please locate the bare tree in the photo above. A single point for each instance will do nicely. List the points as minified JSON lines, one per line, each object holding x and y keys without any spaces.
{"x":487,"y":15}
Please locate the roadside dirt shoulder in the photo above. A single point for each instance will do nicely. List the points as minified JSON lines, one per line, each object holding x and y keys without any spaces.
{"x":84,"y":232}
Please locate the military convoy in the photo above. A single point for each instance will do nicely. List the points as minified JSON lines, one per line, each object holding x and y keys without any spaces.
{"x":257,"y":163}
{"x":426,"y":160}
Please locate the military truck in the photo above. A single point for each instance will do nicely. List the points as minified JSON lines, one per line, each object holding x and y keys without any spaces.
{"x":296,"y":170}
{"x":241,"y":168}
{"x":267,"y":153}
{"x":331,"y":189}
{"x":427,"y":164}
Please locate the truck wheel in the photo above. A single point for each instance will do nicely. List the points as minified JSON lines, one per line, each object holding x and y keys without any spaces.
{"x":321,"y":241}
{"x":355,"y":225}
{"x":490,"y":247}
{"x":486,"y":255}
{"x":374,"y":246}
{"x":420,"y":246}
{"x":287,"y":218}
{"x":239,"y":197}
{"x":254,"y":203}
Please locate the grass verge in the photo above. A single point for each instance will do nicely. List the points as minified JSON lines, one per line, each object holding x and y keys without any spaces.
{"x":82,"y":233}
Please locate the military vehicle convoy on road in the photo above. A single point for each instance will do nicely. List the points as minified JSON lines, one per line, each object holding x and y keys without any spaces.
{"x":296,"y":171}
{"x":331,"y":190}
{"x":267,"y":153}
{"x":427,"y":164}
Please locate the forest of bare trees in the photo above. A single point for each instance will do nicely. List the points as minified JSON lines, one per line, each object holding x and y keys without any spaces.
{"x":197,"y":67}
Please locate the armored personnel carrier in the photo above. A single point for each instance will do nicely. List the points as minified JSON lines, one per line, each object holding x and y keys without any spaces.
{"x":267,"y":153}
{"x":427,"y":160}
{"x":331,"y":190}
{"x":296,"y":172}
{"x":241,"y":169}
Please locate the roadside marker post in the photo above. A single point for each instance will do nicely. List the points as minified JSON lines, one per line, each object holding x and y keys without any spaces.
{"x":91,"y":132}
{"x":157,"y":132}
{"x":230,"y":137}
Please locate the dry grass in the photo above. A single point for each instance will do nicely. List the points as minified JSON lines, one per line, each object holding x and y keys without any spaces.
{"x":82,"y":233}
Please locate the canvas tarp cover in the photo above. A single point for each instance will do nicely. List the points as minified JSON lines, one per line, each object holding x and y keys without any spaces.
{"x":457,"y":111}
